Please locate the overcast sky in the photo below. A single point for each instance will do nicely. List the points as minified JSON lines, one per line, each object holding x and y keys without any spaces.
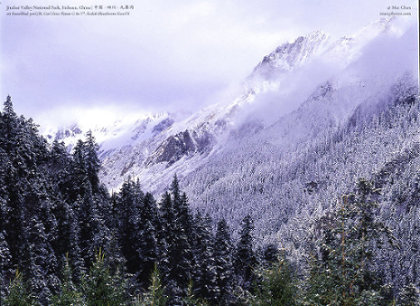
{"x":167,"y":55}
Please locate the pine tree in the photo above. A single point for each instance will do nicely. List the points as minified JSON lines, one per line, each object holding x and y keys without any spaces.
{"x":18,"y":293}
{"x":39,"y":262}
{"x":90,"y":225}
{"x":60,"y":170}
{"x":69,"y":294}
{"x":277,"y":286}
{"x":244,"y":258}
{"x":6,"y":266}
{"x":176,"y":254}
{"x":92,"y":161}
{"x":36,"y":256}
{"x":9,"y":126}
{"x":68,"y":239}
{"x":148,"y":246}
{"x":128,"y":207}
{"x":179,"y":248}
{"x":79,"y":179}
{"x":223,"y":256}
{"x":13,"y":168}
{"x":342,"y":273}
{"x":165,"y":232}
{"x":100,"y":287}
{"x":156,"y":293}
{"x":191,"y":299}
{"x":205,"y":285}
{"x":86,"y":162}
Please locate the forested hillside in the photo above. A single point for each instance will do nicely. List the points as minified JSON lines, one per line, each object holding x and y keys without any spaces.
{"x":64,"y":239}
{"x":288,"y":188}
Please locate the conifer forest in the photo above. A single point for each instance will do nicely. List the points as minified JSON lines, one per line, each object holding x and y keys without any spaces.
{"x":67,"y":240}
{"x":221,"y":153}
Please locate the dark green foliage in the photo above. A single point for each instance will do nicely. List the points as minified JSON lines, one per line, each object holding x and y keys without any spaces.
{"x":68,"y":293}
{"x":19,"y":295}
{"x":192,"y":300}
{"x":40,"y":265}
{"x":68,"y":239}
{"x":156,"y":293}
{"x":100,"y":287}
{"x":41,"y":220}
{"x":36,"y":264}
{"x":341,"y":275}
{"x":278,"y":286}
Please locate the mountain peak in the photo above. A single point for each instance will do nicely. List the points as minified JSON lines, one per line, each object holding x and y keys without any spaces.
{"x":288,"y":56}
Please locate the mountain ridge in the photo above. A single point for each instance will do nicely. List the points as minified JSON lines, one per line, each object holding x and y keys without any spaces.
{"x":164,"y":144}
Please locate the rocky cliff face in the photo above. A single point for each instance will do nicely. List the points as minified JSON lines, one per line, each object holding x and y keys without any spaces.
{"x":180,"y":145}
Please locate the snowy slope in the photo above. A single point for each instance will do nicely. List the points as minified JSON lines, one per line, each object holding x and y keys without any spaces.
{"x":315,"y":79}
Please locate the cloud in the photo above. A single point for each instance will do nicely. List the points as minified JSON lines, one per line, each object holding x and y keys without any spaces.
{"x":168,"y":55}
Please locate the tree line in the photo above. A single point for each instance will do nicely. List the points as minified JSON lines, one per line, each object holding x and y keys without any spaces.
{"x":64,"y":240}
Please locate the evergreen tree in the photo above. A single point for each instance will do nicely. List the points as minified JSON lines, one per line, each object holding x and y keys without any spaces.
{"x":179,"y":247}
{"x":6,"y":266}
{"x":176,"y":253}
{"x":60,"y":172}
{"x":205,"y":285}
{"x":39,"y":261}
{"x":90,"y":225}
{"x":156,"y":293}
{"x":244,"y":258}
{"x":100,"y":287}
{"x":165,"y":232}
{"x":277,"y":286}
{"x":18,"y":293}
{"x":129,"y":203}
{"x":9,"y":126}
{"x":93,"y":164}
{"x":148,"y":246}
{"x":191,"y":299}
{"x":224,"y":263}
{"x":80,"y":182}
{"x":342,"y":274}
{"x":69,"y":294}
{"x":68,"y":239}
{"x":13,"y":168}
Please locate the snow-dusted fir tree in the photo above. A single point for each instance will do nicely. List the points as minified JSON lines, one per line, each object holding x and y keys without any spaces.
{"x":244,"y":257}
{"x":223,"y":257}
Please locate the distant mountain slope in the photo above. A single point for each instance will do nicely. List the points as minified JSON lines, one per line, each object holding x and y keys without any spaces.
{"x":312,"y":80}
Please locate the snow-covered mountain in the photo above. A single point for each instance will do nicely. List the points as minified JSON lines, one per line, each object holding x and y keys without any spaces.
{"x":312,"y":84}
{"x":313,"y":117}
